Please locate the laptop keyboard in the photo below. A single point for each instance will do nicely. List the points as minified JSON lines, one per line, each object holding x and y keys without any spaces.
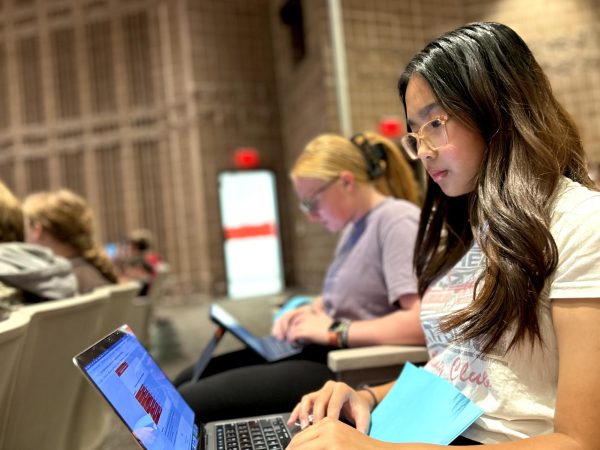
{"x":277,"y":349}
{"x":263,"y":434}
{"x":276,"y":346}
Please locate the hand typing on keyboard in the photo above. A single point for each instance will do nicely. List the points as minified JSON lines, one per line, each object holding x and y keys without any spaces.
{"x":310,"y":421}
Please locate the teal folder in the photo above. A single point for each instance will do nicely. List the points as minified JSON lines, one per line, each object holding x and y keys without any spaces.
{"x":422,"y":408}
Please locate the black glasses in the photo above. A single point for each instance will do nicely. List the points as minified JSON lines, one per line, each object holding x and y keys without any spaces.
{"x":310,"y":205}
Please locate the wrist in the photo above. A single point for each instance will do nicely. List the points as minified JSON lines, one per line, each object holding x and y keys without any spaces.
{"x":338,"y":333}
{"x":369,"y":395}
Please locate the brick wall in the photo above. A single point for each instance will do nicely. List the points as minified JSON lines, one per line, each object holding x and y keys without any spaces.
{"x":137,"y":105}
{"x":565,"y":38}
{"x":235,"y":105}
{"x":307,"y":108}
{"x":382,"y":35}
{"x":82,"y":107}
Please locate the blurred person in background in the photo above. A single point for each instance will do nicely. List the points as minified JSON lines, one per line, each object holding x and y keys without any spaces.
{"x":138,"y":259}
{"x":28,"y":273}
{"x":364,"y":189}
{"x":63,"y":221}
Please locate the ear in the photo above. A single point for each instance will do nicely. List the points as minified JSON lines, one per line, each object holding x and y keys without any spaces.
{"x":35,"y":230}
{"x":348,"y":180}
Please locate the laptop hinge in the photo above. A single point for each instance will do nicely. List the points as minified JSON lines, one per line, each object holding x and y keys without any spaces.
{"x":207,"y":354}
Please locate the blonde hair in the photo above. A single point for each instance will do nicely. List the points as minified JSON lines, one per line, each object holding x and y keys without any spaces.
{"x":11,"y":216}
{"x":327,"y":155}
{"x":69,"y":219}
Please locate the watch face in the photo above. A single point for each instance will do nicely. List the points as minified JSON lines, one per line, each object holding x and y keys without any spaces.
{"x":335,"y":325}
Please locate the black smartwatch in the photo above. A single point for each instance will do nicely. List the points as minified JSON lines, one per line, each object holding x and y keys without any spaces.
{"x":338,"y":333}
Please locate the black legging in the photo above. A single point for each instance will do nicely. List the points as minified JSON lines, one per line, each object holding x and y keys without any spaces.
{"x":241,"y":383}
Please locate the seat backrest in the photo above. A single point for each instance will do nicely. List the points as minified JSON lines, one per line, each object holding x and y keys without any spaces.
{"x":142,"y":311}
{"x":140,"y":318}
{"x":12,"y":335}
{"x":47,"y":380}
{"x":90,"y":423}
{"x":120,"y":302}
{"x":159,"y":284}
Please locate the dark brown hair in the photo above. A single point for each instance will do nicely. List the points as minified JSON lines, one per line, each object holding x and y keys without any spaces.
{"x":485,"y":76}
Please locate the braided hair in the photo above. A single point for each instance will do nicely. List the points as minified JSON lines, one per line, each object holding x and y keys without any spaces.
{"x":69,"y":219}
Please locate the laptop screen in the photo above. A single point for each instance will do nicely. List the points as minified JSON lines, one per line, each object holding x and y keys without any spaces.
{"x":140,"y":392}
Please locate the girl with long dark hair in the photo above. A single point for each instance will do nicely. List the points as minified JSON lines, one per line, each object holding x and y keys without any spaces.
{"x":506,"y":254}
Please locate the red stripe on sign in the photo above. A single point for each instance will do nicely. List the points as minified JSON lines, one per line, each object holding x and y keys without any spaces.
{"x":247,"y":231}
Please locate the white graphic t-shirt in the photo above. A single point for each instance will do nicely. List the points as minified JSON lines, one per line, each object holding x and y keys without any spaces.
{"x":516,"y":390}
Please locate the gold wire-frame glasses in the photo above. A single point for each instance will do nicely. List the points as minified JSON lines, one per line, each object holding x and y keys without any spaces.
{"x":433,"y":133}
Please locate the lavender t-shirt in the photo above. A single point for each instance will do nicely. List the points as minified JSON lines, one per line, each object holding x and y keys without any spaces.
{"x":378,"y":269}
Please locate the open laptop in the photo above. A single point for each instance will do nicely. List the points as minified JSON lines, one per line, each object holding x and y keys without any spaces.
{"x":269,"y":347}
{"x":154,"y":411}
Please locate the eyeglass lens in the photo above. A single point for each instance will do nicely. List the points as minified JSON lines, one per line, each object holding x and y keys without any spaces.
{"x":432,"y":133}
{"x":311,"y":205}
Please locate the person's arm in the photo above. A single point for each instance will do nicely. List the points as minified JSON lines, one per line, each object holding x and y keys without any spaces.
{"x":399,"y":327}
{"x":577,"y":414}
{"x":396,"y":234}
{"x":578,"y":394}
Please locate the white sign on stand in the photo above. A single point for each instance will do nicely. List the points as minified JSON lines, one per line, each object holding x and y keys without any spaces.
{"x":252,"y":244}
